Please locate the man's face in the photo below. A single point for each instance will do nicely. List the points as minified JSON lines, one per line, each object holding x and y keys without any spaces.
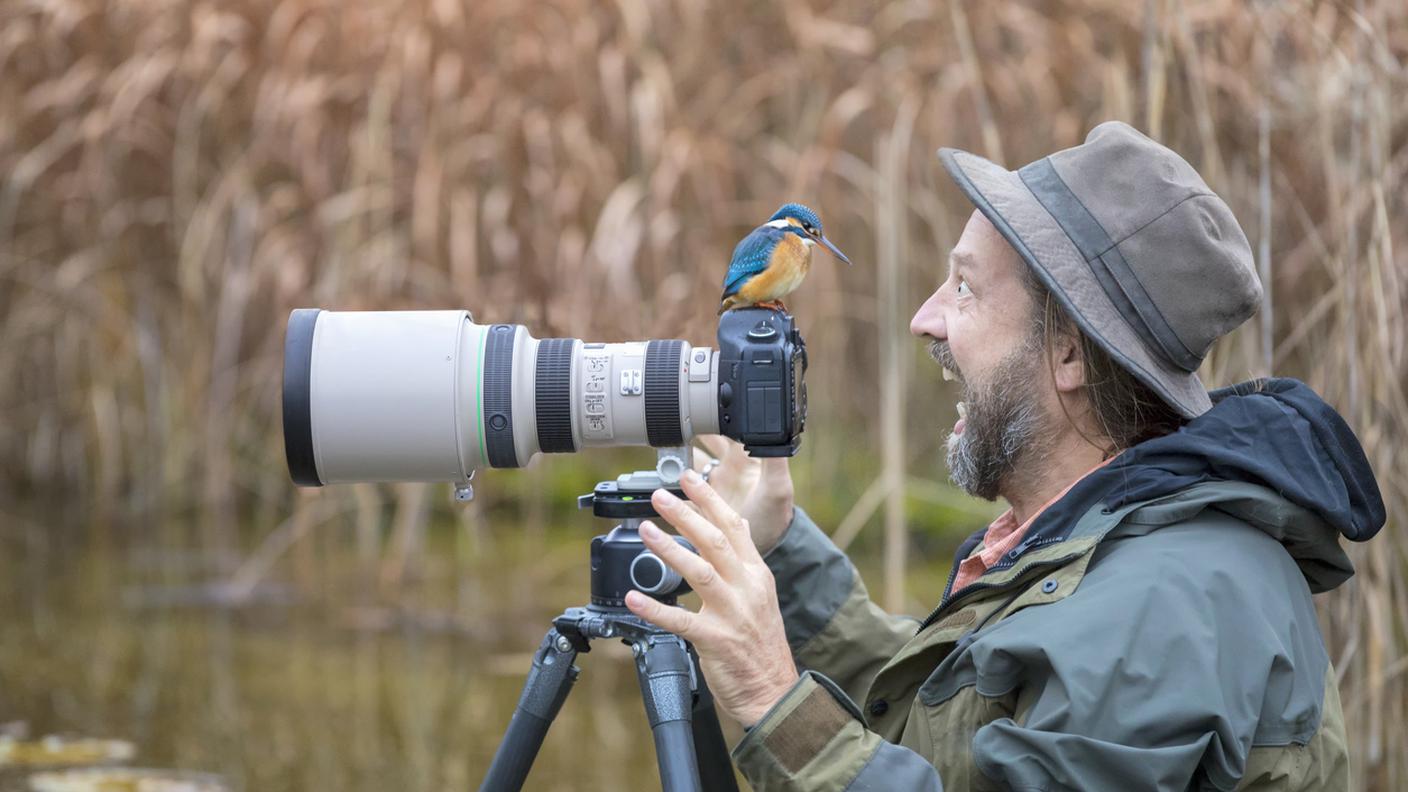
{"x":980,"y":328}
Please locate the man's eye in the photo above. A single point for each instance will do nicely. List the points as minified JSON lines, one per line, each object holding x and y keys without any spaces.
{"x":963,"y":290}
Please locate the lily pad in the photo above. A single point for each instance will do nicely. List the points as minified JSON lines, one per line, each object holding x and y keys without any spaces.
{"x":57,"y":751}
{"x":123,"y":779}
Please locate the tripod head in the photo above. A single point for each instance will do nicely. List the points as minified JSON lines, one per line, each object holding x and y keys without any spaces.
{"x":619,"y":560}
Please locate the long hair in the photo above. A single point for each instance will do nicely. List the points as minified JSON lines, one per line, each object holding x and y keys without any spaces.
{"x":1126,"y":411}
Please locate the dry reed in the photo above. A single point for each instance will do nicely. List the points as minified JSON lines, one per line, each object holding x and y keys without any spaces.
{"x":178,"y":175}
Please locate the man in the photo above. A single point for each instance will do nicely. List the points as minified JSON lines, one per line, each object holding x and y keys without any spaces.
{"x":1141,"y":617}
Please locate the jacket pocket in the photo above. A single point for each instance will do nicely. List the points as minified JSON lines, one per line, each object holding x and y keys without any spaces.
{"x":950,"y":726}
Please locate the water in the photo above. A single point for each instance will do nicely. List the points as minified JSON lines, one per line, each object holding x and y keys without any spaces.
{"x":327,"y":678}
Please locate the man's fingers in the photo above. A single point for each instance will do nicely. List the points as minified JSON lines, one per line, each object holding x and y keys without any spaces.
{"x":730,"y":471}
{"x":714,"y":544}
{"x":702,"y":575}
{"x":677,"y":620}
{"x":729,"y":451}
{"x":701,"y":459}
{"x":714,"y":445}
{"x":720,"y":515}
{"x":718,"y":445}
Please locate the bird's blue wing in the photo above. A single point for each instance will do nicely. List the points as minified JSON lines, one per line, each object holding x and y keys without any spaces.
{"x":751,"y":257}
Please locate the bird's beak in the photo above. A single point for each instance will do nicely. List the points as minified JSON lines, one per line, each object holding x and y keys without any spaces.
{"x":833,"y":248}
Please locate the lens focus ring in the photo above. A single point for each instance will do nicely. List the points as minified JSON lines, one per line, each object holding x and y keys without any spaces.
{"x":662,"y":393}
{"x":552,"y":395}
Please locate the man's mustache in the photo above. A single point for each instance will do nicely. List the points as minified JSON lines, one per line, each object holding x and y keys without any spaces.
{"x":939,"y":351}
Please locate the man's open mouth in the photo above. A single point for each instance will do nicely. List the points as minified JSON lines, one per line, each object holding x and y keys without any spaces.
{"x":950,"y":376}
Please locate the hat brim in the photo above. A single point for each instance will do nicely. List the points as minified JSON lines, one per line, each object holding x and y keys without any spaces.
{"x":1009,"y":204}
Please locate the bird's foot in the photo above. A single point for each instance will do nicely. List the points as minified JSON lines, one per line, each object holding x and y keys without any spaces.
{"x":775,"y":305}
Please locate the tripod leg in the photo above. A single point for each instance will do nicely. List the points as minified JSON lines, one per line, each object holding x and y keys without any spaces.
{"x":549,"y":681}
{"x":715,"y":766}
{"x":664,"y":668}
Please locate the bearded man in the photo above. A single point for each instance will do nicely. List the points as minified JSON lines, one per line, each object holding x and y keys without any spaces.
{"x":1141,"y":617}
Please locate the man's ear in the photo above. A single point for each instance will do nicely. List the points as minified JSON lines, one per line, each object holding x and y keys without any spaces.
{"x":1067,"y":363}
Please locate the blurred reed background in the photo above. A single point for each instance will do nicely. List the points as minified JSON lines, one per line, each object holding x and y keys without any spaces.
{"x":178,"y":175}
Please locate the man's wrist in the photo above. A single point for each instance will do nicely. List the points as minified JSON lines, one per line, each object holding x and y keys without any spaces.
{"x":749,"y":716}
{"x":786,"y":526}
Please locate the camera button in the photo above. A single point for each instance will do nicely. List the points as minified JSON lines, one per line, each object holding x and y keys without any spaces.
{"x":700,"y":367}
{"x":762,"y":330}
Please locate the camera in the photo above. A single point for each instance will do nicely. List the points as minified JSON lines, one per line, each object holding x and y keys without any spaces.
{"x":433,"y":396}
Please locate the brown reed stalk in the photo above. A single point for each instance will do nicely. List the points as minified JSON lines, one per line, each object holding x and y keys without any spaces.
{"x":175,"y":176}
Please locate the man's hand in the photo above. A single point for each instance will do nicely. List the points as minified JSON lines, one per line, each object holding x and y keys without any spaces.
{"x":738,"y":630}
{"x":758,"y":489}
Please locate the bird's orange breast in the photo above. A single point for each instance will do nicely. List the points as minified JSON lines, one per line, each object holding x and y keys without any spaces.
{"x":790,"y":262}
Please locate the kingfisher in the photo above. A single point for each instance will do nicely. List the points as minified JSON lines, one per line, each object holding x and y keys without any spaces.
{"x":771,"y":262}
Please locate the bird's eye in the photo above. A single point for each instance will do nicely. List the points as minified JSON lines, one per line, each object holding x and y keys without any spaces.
{"x":807,"y":227}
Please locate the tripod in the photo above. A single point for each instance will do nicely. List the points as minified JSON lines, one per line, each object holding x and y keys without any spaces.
{"x":689,"y":743}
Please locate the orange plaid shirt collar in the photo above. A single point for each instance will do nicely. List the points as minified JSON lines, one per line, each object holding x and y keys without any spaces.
{"x":1003,"y":535}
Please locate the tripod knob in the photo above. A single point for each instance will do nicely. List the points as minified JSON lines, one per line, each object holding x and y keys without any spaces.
{"x":652,"y":576}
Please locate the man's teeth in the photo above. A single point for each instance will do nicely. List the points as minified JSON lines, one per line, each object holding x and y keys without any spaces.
{"x":962,"y":410}
{"x":949,"y":376}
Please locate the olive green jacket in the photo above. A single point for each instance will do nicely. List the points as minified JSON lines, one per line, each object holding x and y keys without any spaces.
{"x":1160,"y":638}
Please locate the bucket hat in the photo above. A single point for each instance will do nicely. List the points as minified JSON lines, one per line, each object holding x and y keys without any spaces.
{"x":1144,"y":256}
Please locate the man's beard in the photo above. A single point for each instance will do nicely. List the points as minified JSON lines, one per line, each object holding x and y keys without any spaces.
{"x":1004,"y":422}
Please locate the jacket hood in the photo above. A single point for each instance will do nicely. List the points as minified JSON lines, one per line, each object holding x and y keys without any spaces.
{"x":1276,"y":434}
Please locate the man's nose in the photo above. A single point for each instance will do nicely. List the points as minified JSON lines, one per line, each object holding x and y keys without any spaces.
{"x":929,"y":319}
